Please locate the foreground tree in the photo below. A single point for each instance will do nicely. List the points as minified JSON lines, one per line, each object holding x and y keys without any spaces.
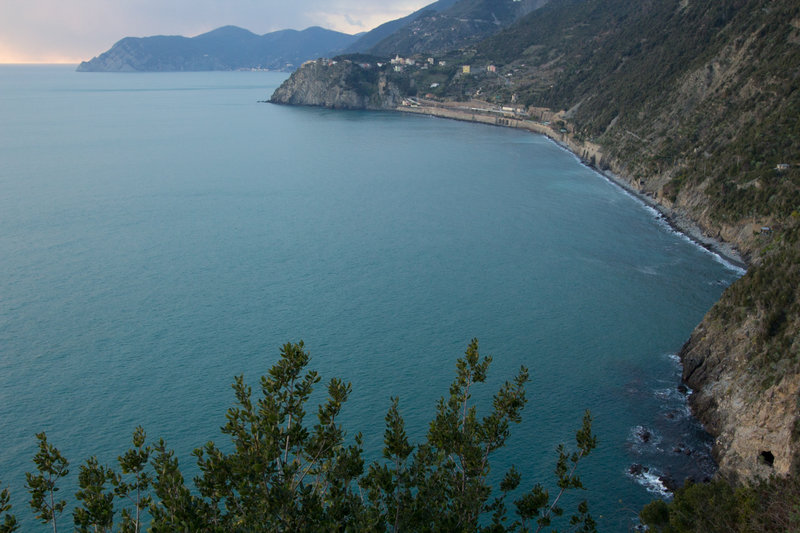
{"x":97,"y":512}
{"x":443,"y":486}
{"x":281,"y":474}
{"x":9,"y":523}
{"x":284,"y":474}
{"x":133,"y":463}
{"x":51,"y":467}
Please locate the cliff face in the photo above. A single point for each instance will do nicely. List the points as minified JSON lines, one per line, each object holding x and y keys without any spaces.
{"x":754,"y":423}
{"x":743,"y":361}
{"x":338,"y":85}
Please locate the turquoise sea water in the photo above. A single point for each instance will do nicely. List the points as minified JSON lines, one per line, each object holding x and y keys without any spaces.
{"x":161,"y":233}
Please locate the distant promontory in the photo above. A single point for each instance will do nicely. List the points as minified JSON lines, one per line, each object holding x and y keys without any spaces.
{"x":226,"y":48}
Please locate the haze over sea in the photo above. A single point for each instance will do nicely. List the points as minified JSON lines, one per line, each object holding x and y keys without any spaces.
{"x":162,"y":233}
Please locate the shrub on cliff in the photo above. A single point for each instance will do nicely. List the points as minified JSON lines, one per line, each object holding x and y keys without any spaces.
{"x":768,"y":506}
{"x":284,"y":474}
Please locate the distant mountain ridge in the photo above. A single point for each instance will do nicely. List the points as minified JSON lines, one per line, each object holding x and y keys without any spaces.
{"x":441,"y":26}
{"x":225,"y":48}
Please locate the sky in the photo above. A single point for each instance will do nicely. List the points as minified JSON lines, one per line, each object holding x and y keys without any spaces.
{"x":71,"y":31}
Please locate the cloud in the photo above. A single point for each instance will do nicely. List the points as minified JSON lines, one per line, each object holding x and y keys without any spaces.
{"x":353,"y":22}
{"x":55,"y":30}
{"x":353,"y":17}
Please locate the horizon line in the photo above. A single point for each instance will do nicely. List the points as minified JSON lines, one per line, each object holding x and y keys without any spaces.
{"x":78,"y":62}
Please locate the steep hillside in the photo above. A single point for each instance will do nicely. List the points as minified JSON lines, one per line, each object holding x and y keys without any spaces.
{"x":695,"y":105}
{"x":367,"y":41}
{"x":465,"y":23}
{"x":685,"y":97}
{"x":226,"y":48}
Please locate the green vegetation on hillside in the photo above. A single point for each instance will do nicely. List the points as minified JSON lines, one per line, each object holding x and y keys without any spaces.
{"x":704,"y":92}
{"x":766,"y":507}
{"x":702,"y":95}
{"x":461,"y":24}
{"x":284,"y":474}
{"x":769,"y":296}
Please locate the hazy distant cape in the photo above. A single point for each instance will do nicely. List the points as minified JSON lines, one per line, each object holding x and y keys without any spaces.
{"x":226,"y":48}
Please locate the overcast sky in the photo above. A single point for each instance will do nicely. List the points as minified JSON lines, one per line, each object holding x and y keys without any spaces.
{"x":70,"y":31}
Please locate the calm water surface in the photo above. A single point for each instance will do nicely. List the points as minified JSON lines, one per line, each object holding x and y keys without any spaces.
{"x":161,"y":233}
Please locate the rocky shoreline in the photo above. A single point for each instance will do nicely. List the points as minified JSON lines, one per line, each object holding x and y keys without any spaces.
{"x":677,"y":220}
{"x":752,"y":439}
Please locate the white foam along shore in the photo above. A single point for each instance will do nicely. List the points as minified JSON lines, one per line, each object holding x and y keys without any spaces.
{"x":682,"y":224}
{"x":724,"y":252}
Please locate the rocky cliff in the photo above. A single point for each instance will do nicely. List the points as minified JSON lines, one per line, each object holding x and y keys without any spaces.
{"x":339,"y":85}
{"x":711,"y":140}
{"x":742,"y":361}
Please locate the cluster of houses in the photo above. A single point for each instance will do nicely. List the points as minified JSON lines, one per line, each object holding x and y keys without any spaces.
{"x":400,"y":63}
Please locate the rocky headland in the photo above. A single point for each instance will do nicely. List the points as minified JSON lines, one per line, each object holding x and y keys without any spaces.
{"x":338,"y":85}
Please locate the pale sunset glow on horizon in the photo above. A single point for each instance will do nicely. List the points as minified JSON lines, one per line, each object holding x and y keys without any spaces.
{"x":47,"y":31}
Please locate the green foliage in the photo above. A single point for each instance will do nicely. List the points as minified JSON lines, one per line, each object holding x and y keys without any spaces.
{"x":769,"y":296}
{"x":9,"y":523}
{"x":705,"y":92}
{"x":280,"y":473}
{"x":97,"y":512}
{"x":463,"y":23}
{"x":285,"y":474}
{"x":767,"y":506}
{"x":364,"y":81}
{"x":715,"y":506}
{"x":449,"y":471}
{"x":51,"y":466}
{"x":133,"y":464}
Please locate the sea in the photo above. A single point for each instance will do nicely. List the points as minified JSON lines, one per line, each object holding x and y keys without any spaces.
{"x":162,"y":233}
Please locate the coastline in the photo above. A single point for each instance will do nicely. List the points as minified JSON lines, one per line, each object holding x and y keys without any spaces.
{"x":587,"y":153}
{"x":680,"y":223}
